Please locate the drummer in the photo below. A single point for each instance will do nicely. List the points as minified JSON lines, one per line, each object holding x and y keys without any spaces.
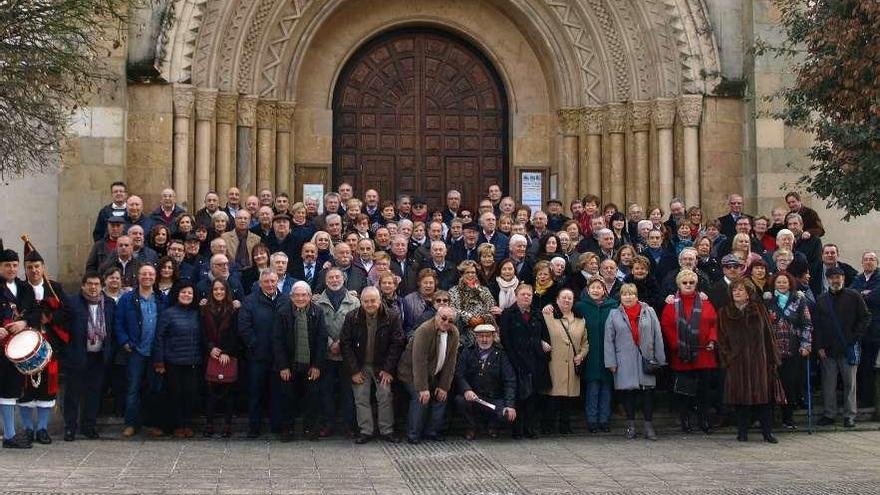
{"x":18,"y":310}
{"x":40,"y":390}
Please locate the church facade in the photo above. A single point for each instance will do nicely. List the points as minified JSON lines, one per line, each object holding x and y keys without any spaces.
{"x":632,"y":100}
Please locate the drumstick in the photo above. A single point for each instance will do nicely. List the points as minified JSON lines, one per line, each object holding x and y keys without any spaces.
{"x":27,"y":241}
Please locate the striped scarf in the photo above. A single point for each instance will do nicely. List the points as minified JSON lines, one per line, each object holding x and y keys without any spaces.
{"x":688,"y":330}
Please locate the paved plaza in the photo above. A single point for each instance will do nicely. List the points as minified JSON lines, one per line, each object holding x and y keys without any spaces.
{"x":826,"y":462}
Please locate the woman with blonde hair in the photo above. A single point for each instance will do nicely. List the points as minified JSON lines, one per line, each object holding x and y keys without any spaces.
{"x":486,"y":267}
{"x":472,"y":300}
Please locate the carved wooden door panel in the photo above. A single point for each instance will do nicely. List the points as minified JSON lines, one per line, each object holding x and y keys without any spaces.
{"x":419,"y":112}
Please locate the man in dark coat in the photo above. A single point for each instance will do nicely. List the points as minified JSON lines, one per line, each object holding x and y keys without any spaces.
{"x":92,"y":315}
{"x":447,"y":274}
{"x":830,"y":258}
{"x":256,"y":319}
{"x":102,"y":247}
{"x":812,"y":222}
{"x":299,"y":343}
{"x":403,"y":265}
{"x":840,"y":321}
{"x":115,"y":208}
{"x":355,"y":278}
{"x":867,"y":284}
{"x":525,"y":338}
{"x":804,"y":243}
{"x":484,"y":373}
{"x":735,"y":211}
{"x":719,"y":293}
{"x":18,"y":310}
{"x":371,"y":342}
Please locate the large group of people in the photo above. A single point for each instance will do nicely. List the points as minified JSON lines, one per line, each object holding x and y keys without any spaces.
{"x":349,"y":311}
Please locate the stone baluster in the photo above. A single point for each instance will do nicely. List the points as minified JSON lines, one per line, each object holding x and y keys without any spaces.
{"x":183,"y":98}
{"x":592,"y":124}
{"x":569,"y":125}
{"x":690,"y":110}
{"x":640,"y":124}
{"x":206,"y":109}
{"x":266,"y":144}
{"x":664,"y":118}
{"x":245,"y":164}
{"x":226,"y":119}
{"x":616,"y":126}
{"x":284,"y":147}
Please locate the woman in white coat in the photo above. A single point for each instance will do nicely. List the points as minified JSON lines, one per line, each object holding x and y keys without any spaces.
{"x":632,"y":332}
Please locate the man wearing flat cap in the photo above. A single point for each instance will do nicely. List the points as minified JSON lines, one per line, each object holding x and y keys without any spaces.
{"x":732,"y":268}
{"x":18,"y":310}
{"x":486,"y":384}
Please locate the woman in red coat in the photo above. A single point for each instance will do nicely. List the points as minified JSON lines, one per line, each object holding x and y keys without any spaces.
{"x":690,"y":334}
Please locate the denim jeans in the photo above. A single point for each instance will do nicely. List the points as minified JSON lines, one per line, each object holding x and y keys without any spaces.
{"x":260,"y":378}
{"x":336,"y":380}
{"x":598,"y":403}
{"x":138,"y":368}
{"x":415,"y":425}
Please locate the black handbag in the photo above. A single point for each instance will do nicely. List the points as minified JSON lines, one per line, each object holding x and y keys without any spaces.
{"x":650,"y":366}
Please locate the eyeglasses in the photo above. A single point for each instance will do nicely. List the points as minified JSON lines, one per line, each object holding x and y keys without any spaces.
{"x":688,"y":282}
{"x":441,"y":300}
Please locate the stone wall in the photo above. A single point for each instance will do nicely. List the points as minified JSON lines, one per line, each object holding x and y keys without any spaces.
{"x":149,"y":141}
{"x":30,"y":206}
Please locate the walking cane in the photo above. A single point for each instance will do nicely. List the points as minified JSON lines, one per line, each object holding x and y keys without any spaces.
{"x":809,"y":398}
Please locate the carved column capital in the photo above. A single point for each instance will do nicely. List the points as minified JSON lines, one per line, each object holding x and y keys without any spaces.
{"x":690,"y":110}
{"x":226,"y":105}
{"x":206,"y":103}
{"x":569,"y":120}
{"x":615,"y":121}
{"x":593,"y":120}
{"x":266,"y":114}
{"x":247,"y":110}
{"x":183,"y":98}
{"x":664,"y":113}
{"x":284,"y":114}
{"x":640,"y":116}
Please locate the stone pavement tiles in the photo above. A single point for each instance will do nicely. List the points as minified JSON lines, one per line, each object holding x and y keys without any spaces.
{"x":691,"y":464}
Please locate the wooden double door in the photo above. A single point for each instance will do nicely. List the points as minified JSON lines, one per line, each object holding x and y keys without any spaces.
{"x":420,"y":112}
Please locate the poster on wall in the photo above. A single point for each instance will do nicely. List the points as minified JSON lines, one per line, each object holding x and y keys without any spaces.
{"x":315,"y":191}
{"x":532,"y":185}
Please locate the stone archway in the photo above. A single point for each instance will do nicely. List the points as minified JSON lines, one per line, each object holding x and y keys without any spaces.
{"x":420,"y":111}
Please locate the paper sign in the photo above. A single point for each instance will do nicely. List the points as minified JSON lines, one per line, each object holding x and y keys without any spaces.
{"x":532,"y":189}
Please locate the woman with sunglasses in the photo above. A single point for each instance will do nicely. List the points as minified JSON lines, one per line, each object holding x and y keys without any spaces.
{"x":689,"y":329}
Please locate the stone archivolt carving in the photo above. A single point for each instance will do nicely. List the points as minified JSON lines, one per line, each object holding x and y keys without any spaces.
{"x":284,"y":115}
{"x":664,"y":113}
{"x":616,"y":118}
{"x":206,"y":103}
{"x":690,"y":109}
{"x":583,"y":45}
{"x":280,"y":36}
{"x":640,"y":116}
{"x":183,"y":98}
{"x":569,"y":121}
{"x":247,"y":110}
{"x":593,"y":120}
{"x":226,"y":106}
{"x":615,"y":47}
{"x":266,"y":114}
{"x":255,"y":32}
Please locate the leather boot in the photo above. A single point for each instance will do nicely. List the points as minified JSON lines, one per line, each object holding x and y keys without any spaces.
{"x":650,"y":434}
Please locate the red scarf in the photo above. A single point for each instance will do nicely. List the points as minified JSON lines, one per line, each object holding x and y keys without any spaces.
{"x":632,"y":313}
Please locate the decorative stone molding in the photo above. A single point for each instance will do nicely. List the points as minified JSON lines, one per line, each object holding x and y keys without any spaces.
{"x":664,"y":113}
{"x":226,"y":106}
{"x":183,"y":98}
{"x":690,"y":110}
{"x":247,"y":110}
{"x":640,"y":115}
{"x":266,"y":114}
{"x":569,"y":120}
{"x":284,"y":115}
{"x":615,"y":121}
{"x":206,"y":104}
{"x":593,"y":120}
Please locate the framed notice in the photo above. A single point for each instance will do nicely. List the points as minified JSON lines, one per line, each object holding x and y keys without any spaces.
{"x":315,"y":191}
{"x":533,"y":186}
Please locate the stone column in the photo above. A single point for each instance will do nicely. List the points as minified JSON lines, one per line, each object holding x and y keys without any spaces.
{"x":266,"y":144}
{"x":616,"y":126}
{"x":569,"y":124}
{"x":690,"y":109}
{"x":284,"y":147}
{"x":226,"y":104}
{"x":206,"y":107}
{"x":640,"y":124}
{"x":592,"y":124}
{"x":184,"y":96}
{"x":245,"y":160}
{"x":664,"y":118}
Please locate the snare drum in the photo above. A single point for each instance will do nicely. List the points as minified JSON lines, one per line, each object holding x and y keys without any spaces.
{"x":28,"y":351}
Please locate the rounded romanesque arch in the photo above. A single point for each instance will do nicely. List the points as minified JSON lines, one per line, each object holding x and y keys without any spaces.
{"x":420,"y":111}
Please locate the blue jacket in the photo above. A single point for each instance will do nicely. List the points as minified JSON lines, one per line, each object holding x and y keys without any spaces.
{"x":256,"y":321}
{"x":127,"y":326}
{"x":75,"y":354}
{"x":500,"y":241}
{"x":178,"y":337}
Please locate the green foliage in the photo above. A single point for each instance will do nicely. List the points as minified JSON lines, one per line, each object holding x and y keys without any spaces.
{"x":834,"y":49}
{"x":53,"y":55}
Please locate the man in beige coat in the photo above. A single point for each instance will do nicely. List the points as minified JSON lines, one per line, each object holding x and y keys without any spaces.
{"x":240,"y":241}
{"x":426,"y":369}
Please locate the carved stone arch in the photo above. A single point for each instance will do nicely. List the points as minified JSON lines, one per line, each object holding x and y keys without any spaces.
{"x":660,"y":42}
